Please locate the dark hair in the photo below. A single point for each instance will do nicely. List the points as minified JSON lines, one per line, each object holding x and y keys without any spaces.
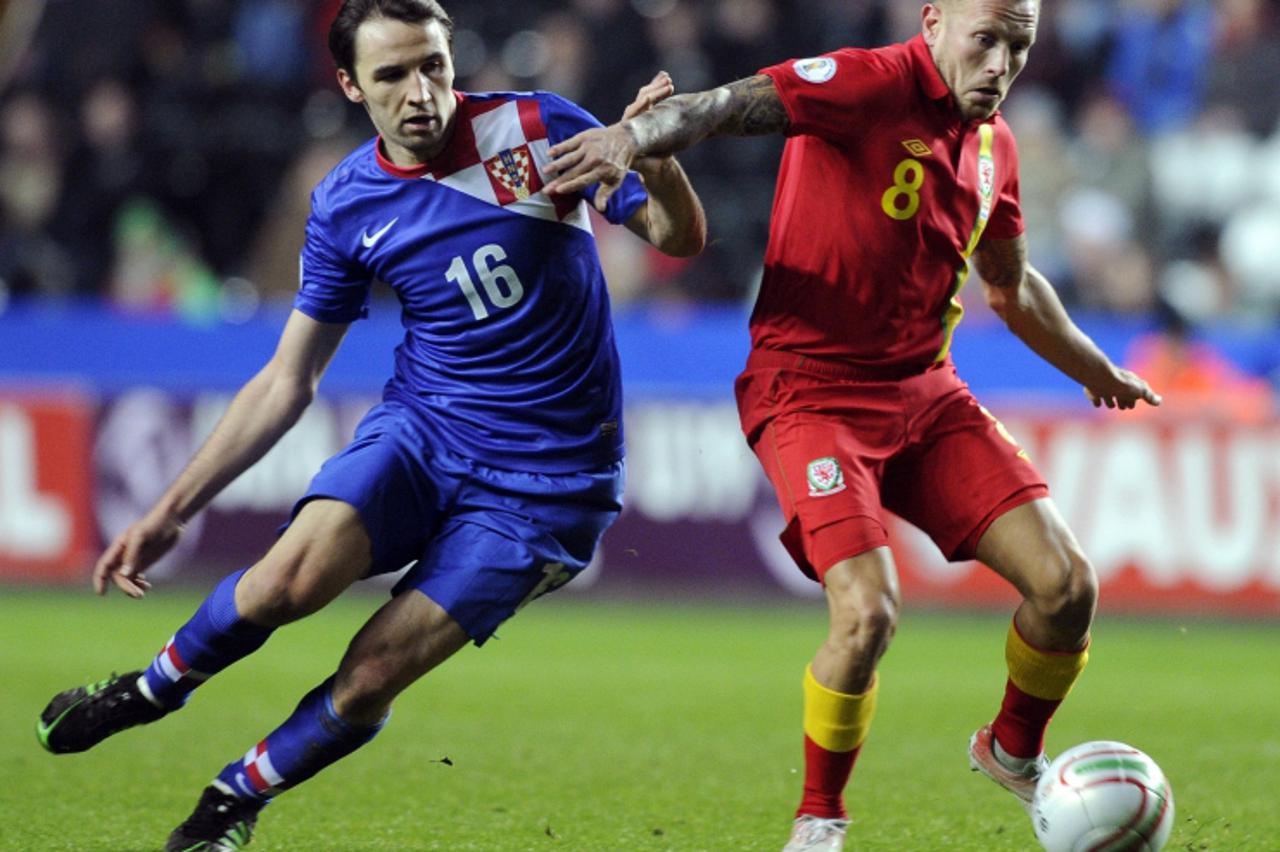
{"x":342,"y":33}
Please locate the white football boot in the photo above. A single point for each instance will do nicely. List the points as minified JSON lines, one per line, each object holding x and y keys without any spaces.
{"x":982,"y":758}
{"x":815,"y":834}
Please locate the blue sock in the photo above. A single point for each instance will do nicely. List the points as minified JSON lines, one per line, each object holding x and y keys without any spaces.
{"x":214,"y":638}
{"x":308,"y":741}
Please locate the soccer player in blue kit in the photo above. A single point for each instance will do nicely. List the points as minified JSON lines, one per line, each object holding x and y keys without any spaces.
{"x":494,"y":461}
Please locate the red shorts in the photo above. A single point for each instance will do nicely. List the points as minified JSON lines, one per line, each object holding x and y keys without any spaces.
{"x":839,"y":446}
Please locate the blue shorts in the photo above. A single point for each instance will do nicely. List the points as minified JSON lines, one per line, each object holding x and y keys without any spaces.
{"x":484,"y":541}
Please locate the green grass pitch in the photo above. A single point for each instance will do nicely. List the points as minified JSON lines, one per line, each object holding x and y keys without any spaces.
{"x":644,"y":726}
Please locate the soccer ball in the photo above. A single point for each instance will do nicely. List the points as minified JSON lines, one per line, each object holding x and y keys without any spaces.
{"x":1102,"y":796}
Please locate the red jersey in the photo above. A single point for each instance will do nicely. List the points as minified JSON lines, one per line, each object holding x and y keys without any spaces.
{"x":883,"y":193}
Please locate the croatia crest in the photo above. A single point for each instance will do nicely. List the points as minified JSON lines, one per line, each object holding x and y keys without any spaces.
{"x":513,"y":175}
{"x":825,"y":477}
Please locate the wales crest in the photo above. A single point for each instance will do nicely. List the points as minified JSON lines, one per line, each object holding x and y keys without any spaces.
{"x":825,"y":477}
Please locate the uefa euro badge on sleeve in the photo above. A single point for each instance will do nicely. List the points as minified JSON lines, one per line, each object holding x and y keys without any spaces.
{"x":818,"y":69}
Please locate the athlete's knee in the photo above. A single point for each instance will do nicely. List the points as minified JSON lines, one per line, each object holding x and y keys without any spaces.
{"x":1067,"y":590}
{"x":864,"y":617}
{"x":322,"y":552}
{"x":277,"y":592}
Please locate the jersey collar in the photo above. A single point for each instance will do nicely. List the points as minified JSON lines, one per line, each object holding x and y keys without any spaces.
{"x":422,"y":169}
{"x":935,"y":88}
{"x":926,"y":71}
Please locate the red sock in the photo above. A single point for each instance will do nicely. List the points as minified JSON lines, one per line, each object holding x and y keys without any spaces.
{"x":825,"y":775}
{"x":1021,"y":723}
{"x":835,"y":725}
{"x":1038,"y":681}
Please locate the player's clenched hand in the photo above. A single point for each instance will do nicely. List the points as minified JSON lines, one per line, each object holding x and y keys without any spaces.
{"x":134,"y":551}
{"x":1122,"y":389}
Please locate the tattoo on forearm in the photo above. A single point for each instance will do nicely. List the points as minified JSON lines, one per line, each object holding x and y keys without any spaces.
{"x":749,"y":107}
{"x":757,"y":108}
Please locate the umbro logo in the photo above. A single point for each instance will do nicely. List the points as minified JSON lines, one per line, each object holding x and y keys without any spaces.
{"x":371,"y":240}
{"x":917,"y":148}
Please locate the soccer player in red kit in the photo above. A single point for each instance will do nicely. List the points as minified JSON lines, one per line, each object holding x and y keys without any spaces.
{"x":898,"y":175}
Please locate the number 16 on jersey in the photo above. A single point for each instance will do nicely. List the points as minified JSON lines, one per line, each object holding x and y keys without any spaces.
{"x":500,"y":283}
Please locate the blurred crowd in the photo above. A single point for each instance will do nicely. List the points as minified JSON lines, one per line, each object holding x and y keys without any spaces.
{"x":160,"y":153}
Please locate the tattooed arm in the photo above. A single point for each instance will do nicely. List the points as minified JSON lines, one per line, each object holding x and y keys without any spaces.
{"x":1029,"y":305}
{"x":749,"y":107}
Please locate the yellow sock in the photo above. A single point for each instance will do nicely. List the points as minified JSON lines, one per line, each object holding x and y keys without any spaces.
{"x":834,"y":720}
{"x":1042,"y":674}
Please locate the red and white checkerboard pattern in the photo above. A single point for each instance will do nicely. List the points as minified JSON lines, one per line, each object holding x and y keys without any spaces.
{"x":171,"y":664}
{"x":511,"y":170}
{"x":261,"y":774}
{"x":498,"y":155}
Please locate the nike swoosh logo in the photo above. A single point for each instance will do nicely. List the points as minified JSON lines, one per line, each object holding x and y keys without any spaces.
{"x":371,"y":240}
{"x":43,"y":731}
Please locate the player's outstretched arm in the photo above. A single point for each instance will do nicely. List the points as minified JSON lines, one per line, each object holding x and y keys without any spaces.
{"x":259,"y":415}
{"x":1029,"y":305}
{"x":748,"y":107}
{"x":671,"y":219}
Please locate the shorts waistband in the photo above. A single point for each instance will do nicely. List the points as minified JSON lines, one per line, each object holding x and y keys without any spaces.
{"x":764,"y":358}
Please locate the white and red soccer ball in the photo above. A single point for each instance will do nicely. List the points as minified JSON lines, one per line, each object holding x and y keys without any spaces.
{"x":1102,"y":797}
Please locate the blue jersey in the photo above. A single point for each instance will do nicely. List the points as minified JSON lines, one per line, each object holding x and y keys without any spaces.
{"x":508,"y":355}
